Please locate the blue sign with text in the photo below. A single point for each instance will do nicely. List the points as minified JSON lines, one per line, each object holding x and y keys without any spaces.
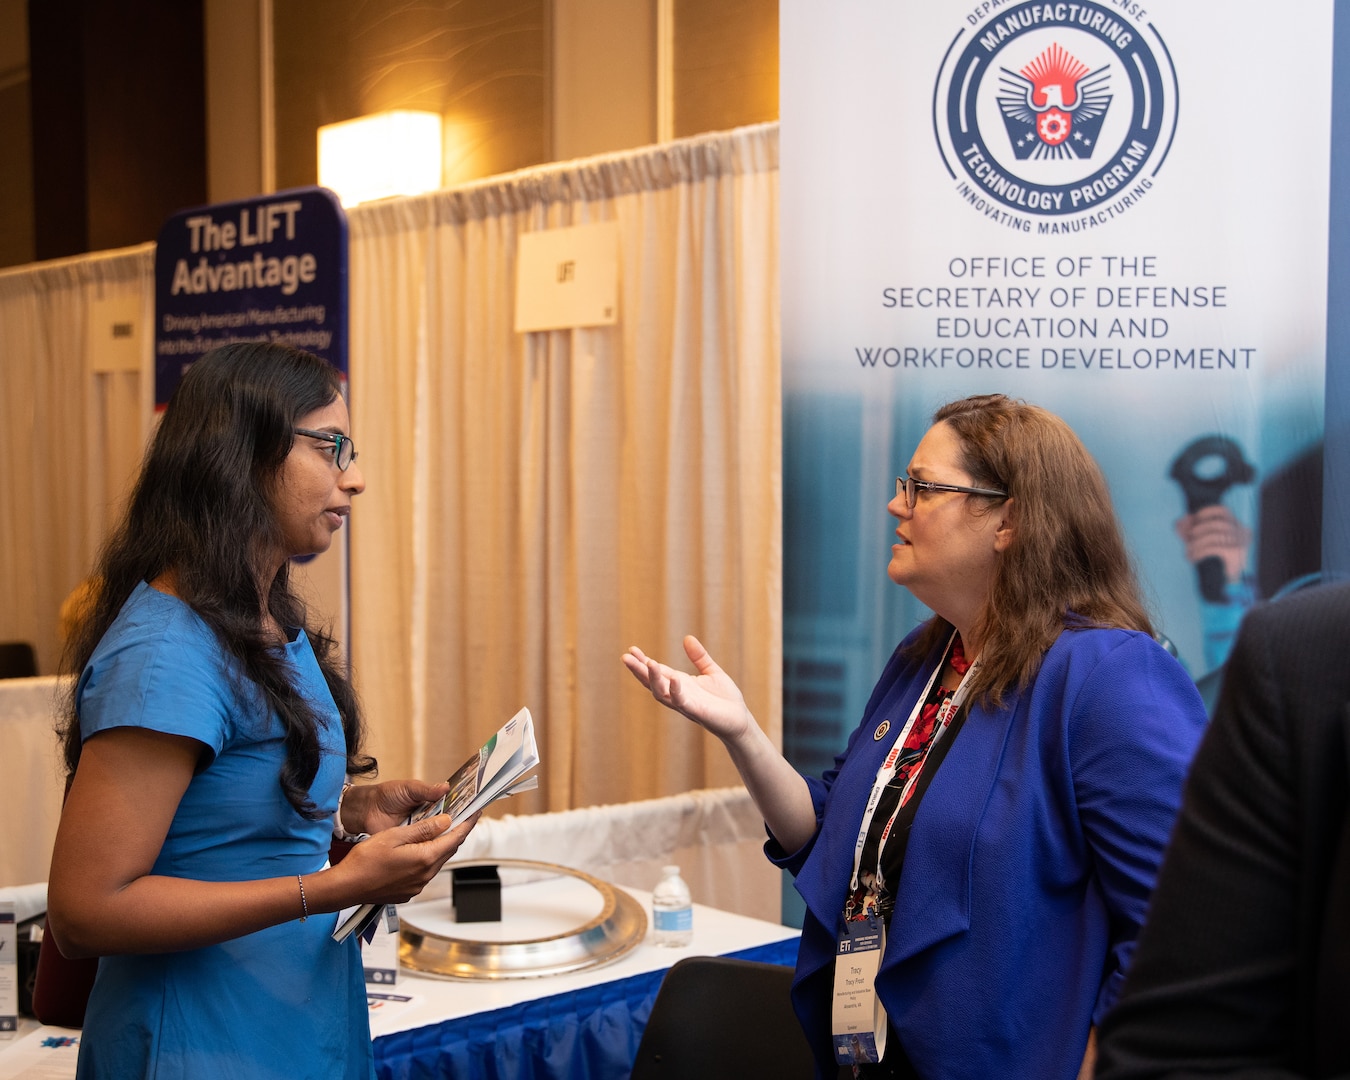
{"x":272,"y":268}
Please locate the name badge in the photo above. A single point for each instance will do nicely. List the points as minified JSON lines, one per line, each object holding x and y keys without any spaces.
{"x":858,"y":1018}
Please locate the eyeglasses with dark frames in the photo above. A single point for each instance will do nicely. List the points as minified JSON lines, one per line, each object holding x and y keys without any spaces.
{"x":910,"y":488}
{"x":344,"y":452}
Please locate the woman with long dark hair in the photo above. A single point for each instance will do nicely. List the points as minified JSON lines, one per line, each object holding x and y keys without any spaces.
{"x":990,"y":836}
{"x":210,"y":739}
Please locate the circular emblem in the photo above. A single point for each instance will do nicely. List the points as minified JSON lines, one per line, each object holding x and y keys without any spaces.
{"x":881,"y":730}
{"x":1055,"y":108}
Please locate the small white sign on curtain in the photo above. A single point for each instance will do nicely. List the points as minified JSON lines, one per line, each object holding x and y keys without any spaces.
{"x":115,"y":334}
{"x":568,"y":277}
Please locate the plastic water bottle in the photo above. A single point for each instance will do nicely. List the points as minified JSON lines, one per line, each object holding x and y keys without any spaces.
{"x":672,"y":910}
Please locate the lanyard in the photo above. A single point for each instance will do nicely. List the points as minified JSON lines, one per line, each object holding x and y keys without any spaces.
{"x":892,"y":759}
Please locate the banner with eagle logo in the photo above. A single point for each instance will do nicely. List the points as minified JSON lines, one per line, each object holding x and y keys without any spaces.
{"x":1103,"y":207}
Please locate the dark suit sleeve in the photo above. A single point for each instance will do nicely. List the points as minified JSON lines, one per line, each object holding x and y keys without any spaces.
{"x":1212,"y":988}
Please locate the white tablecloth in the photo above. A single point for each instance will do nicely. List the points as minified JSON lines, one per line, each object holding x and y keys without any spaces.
{"x":435,"y":1001}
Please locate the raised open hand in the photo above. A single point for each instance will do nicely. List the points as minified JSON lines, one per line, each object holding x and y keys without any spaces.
{"x":710,"y":698}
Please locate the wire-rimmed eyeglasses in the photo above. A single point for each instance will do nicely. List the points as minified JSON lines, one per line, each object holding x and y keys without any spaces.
{"x":344,"y":452}
{"x":910,"y":488}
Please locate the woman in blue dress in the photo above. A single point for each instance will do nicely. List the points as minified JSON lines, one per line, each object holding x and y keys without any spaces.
{"x":210,"y":741}
{"x":990,"y":836}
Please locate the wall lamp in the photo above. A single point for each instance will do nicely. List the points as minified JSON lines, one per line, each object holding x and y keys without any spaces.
{"x":384,"y":154}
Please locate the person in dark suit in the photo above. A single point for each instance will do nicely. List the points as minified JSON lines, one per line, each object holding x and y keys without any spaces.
{"x":1243,"y":966}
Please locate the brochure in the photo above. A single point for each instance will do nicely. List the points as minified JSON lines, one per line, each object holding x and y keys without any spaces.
{"x":498,"y":770}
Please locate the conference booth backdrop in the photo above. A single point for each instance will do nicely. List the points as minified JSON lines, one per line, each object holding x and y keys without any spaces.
{"x":1057,"y":201}
{"x":535,"y":503}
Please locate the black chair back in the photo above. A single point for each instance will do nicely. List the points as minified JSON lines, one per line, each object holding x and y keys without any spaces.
{"x":715,"y":1017}
{"x":17,"y":660}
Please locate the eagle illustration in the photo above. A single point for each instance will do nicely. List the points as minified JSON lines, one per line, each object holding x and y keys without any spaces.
{"x":1054,"y":107}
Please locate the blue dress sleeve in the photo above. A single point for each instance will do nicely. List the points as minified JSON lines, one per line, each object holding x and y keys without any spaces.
{"x":158,"y":667}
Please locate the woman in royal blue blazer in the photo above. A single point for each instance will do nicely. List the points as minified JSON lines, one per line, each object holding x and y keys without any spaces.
{"x":997,"y":819}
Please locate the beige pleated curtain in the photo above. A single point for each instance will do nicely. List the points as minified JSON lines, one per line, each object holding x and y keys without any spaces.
{"x":535,"y":502}
{"x":71,"y":435}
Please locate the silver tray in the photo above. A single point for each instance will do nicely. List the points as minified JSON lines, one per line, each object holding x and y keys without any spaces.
{"x":620,"y":925}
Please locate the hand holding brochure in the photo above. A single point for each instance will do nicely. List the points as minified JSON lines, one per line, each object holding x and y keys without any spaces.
{"x":496,"y":771}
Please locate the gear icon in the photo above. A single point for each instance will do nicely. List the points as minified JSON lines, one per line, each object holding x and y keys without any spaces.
{"x":1053,"y":127}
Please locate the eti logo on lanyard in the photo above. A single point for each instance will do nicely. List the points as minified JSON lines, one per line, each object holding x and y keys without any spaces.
{"x":858,"y":1020}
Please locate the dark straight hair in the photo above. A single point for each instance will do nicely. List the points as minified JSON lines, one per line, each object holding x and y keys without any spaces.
{"x":1067,"y":564}
{"x":202,"y":510}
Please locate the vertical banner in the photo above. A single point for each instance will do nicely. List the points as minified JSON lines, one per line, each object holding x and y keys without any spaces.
{"x":1098,"y":207}
{"x":271,"y":268}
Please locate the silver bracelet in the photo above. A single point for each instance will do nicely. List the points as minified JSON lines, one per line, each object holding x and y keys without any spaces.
{"x":339,"y":833}
{"x":304,"y":904}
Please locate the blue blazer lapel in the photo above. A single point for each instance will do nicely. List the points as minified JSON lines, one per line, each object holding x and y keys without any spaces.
{"x":933,"y":900}
{"x":824,"y":880}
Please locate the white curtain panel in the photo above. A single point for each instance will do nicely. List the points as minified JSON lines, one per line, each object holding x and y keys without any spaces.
{"x":537,"y":502}
{"x":71,"y":436}
{"x":34,"y":777}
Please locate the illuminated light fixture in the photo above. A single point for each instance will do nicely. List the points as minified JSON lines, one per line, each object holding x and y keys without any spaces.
{"x":374,"y":157}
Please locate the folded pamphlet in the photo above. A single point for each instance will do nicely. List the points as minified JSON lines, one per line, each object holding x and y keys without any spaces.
{"x":498,"y":770}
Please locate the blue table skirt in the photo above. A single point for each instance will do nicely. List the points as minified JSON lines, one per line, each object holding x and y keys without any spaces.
{"x":590,"y":1034}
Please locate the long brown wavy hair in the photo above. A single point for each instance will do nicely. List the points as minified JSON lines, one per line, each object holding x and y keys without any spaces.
{"x":1066,"y":565}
